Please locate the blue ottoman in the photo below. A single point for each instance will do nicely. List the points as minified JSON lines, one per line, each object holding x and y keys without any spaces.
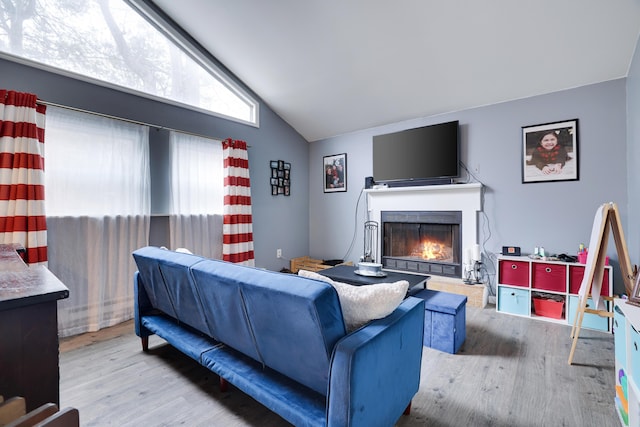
{"x":444,"y":320}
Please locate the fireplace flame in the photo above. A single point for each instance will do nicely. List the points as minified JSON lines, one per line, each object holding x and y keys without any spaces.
{"x":433,"y":250}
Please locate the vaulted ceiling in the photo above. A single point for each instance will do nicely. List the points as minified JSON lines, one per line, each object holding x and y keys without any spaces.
{"x":330,"y":67}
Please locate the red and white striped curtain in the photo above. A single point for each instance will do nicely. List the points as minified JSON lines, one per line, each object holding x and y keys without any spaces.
{"x":237,"y":244}
{"x":22,"y":215}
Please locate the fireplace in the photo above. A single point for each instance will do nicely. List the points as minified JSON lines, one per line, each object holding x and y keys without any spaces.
{"x":427,"y":242}
{"x":465,"y":198}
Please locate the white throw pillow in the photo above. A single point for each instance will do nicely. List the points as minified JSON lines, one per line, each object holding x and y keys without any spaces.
{"x":361,"y":304}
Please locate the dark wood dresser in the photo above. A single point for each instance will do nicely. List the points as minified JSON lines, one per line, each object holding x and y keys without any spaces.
{"x":29,"y":349}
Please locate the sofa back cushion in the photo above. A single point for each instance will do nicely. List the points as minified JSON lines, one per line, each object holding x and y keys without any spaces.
{"x":221,"y":296}
{"x":286,"y":322}
{"x":166,"y":277}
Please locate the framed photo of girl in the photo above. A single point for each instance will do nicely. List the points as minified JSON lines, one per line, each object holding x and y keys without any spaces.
{"x":550,"y":152}
{"x":335,"y":173}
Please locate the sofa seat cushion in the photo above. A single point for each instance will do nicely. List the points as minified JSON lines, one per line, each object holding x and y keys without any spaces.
{"x":361,"y":304}
{"x":190,"y":342}
{"x":299,"y":405}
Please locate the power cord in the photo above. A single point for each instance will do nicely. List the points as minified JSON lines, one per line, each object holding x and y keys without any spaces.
{"x":486,"y":225}
{"x":355,"y":226}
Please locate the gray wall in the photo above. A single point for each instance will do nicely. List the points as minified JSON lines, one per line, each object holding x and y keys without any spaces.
{"x":632,"y":233}
{"x":278,"y":221}
{"x":556,"y":215}
{"x":328,"y":225}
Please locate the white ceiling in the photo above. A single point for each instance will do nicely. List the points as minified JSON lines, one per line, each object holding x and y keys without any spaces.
{"x":330,"y":67}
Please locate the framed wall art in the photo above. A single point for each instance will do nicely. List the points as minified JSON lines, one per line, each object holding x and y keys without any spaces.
{"x":550,"y":152}
{"x":335,"y":173}
{"x":634,"y":298}
{"x":280,"y":177}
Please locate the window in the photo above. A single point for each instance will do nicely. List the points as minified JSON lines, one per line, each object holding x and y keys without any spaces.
{"x":196,"y":175}
{"x":95,"y":166}
{"x":107,"y":42}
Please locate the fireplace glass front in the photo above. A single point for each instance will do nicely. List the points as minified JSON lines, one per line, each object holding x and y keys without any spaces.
{"x":426,"y":242}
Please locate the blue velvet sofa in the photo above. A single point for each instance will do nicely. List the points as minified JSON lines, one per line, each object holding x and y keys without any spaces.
{"x":281,"y":338}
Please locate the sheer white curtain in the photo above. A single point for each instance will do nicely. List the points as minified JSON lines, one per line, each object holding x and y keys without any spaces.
{"x":97,"y":185}
{"x":196,"y":194}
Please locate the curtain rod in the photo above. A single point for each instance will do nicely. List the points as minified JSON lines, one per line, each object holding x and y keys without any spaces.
{"x":135,"y":122}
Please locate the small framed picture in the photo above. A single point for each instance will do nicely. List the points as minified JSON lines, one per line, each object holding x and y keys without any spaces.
{"x":335,"y":173}
{"x":550,"y":152}
{"x":280,"y":177}
{"x":634,"y":298}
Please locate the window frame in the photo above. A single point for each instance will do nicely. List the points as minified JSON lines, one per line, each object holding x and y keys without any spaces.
{"x":178,"y":37}
{"x":189,"y":46}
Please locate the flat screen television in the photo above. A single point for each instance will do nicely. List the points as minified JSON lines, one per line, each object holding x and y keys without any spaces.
{"x":420,"y":156}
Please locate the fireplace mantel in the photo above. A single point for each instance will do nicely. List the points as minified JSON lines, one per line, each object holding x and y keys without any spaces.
{"x":472,"y":188}
{"x":466,"y":198}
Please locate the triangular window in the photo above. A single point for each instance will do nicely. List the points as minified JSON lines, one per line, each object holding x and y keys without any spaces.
{"x":109,"y":42}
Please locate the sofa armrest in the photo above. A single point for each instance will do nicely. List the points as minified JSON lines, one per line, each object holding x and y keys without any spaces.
{"x":141,"y":305}
{"x":375,"y":371}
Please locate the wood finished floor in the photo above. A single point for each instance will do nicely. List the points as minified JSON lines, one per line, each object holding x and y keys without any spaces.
{"x":510,"y":371}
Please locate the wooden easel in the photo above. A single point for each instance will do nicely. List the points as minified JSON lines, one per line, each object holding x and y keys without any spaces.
{"x":607,"y":216}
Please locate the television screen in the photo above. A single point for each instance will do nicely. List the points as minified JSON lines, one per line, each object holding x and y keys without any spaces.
{"x":425,"y":153}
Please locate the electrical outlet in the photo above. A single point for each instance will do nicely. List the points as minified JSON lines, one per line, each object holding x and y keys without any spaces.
{"x":278,"y":253}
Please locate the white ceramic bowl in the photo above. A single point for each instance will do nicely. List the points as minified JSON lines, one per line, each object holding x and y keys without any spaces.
{"x":372,"y":268}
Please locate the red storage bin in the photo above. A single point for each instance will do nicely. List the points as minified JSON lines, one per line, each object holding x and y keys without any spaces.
{"x":514,"y":273}
{"x":550,"y":277}
{"x":548,"y":308}
{"x":576,"y":273}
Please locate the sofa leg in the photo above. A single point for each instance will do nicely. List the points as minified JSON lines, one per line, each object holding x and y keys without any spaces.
{"x":224,"y":385}
{"x":145,"y":343}
{"x":407,"y":410}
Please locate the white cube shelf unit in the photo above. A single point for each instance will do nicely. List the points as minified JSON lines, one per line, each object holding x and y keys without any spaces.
{"x":547,"y":290}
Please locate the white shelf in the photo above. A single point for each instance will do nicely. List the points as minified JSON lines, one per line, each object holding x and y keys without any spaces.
{"x":519,"y":278}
